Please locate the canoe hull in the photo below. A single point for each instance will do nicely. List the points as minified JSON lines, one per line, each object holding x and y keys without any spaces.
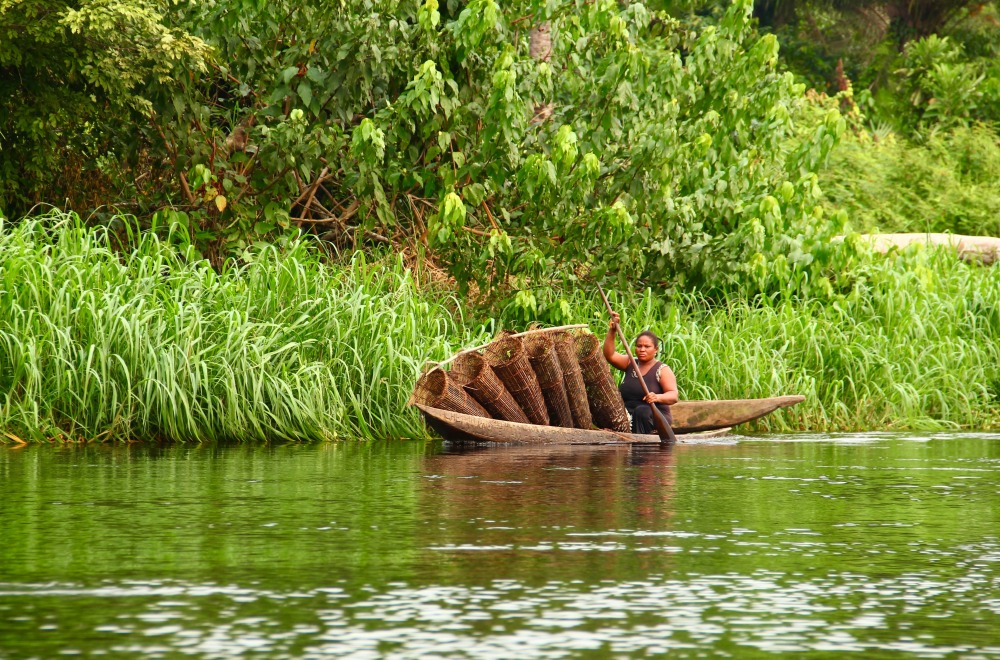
{"x":693,"y":420}
{"x":691,"y":416}
{"x":457,"y":427}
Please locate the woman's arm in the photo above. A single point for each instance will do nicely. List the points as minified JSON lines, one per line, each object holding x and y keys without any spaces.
{"x":669,"y":384}
{"x":617,"y":360}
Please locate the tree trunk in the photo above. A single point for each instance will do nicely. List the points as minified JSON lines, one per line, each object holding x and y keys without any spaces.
{"x":540,"y":48}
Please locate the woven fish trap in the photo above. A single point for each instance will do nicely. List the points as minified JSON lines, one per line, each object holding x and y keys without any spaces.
{"x":576,"y":389}
{"x":437,"y":389}
{"x":506,"y":356}
{"x":544,"y":360}
{"x":486,"y":388}
{"x":606,"y":405}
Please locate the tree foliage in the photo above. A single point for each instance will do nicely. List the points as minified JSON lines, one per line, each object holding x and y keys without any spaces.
{"x":642,"y":150}
{"x":919,"y":66}
{"x":74,"y":80}
{"x":903,"y":19}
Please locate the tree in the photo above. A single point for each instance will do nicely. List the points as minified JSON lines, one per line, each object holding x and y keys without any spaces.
{"x":74,"y":80}
{"x":670,"y":156}
{"x":903,"y":19}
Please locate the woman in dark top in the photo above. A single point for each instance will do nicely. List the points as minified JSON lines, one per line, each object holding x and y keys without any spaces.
{"x":657,"y":376}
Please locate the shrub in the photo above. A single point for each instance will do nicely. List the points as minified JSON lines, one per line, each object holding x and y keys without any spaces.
{"x":75,"y":79}
{"x":946,"y":184}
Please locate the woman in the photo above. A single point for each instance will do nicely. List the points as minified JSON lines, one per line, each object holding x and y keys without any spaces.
{"x":658,"y":377}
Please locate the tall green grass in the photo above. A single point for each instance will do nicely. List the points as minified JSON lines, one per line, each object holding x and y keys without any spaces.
{"x":97,"y":343}
{"x":916,"y":345}
{"x":147,"y":343}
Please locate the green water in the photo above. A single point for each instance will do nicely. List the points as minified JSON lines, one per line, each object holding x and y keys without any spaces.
{"x":814,"y":546}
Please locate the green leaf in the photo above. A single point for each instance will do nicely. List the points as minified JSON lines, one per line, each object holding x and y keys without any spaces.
{"x":316,"y":75}
{"x":305,"y":92}
{"x":474,"y":193}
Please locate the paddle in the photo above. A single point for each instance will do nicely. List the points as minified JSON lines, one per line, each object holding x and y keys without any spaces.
{"x":662,"y":425}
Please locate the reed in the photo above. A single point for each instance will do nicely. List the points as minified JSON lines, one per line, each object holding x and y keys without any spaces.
{"x":915,"y":346}
{"x":149,"y":342}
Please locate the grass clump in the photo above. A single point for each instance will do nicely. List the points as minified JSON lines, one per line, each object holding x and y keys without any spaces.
{"x":98,"y":343}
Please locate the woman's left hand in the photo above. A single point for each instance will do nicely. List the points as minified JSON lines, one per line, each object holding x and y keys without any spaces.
{"x":652,"y":398}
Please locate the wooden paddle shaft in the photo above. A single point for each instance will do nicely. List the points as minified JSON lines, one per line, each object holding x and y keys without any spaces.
{"x":663,"y":426}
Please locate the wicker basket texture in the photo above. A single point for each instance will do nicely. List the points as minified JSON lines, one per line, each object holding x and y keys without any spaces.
{"x":606,"y":403}
{"x":438,"y":389}
{"x":576,"y":389}
{"x":486,"y":388}
{"x":506,"y":356}
{"x":544,"y":360}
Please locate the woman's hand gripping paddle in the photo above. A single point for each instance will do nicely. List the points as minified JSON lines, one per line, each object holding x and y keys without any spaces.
{"x":662,"y":425}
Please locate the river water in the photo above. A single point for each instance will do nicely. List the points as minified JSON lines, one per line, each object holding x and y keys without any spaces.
{"x":878,"y":545}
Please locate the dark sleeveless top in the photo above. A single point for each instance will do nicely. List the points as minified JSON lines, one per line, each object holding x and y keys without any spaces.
{"x":632,"y":393}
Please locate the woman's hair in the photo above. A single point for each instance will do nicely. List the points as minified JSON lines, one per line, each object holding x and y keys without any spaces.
{"x":652,"y":337}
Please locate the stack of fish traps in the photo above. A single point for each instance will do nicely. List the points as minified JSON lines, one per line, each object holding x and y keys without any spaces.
{"x":547,"y":378}
{"x":486,"y":388}
{"x":439,"y":389}
{"x":506,"y":356}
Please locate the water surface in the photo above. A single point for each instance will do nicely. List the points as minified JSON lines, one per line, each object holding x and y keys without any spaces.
{"x":880,"y":545}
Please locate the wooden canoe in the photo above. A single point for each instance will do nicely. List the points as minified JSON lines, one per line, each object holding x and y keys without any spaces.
{"x":693,"y":421}
{"x":458,"y":427}
{"x":690,"y":416}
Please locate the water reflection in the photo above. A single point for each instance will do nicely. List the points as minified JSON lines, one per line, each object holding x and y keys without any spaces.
{"x":873,"y":544}
{"x":239,"y":512}
{"x":529,"y":512}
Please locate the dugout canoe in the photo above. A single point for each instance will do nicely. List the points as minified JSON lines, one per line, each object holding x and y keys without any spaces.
{"x":691,"y":416}
{"x":458,"y":427}
{"x":693,"y":420}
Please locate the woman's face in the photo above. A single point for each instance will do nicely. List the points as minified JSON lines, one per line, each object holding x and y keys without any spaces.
{"x":644,"y":349}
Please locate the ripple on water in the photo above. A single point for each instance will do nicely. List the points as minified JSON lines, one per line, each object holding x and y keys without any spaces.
{"x":766,"y":610}
{"x":724,"y":550}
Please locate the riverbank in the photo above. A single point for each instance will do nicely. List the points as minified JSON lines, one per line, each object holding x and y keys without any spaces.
{"x":98,"y":344}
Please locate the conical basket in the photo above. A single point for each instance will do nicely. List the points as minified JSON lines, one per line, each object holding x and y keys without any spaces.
{"x":606,"y":405}
{"x":545,"y":362}
{"x":506,"y":356}
{"x":576,"y":389}
{"x":486,"y":388}
{"x":439,"y":390}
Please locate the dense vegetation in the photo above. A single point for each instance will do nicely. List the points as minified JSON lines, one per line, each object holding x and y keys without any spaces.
{"x":148,"y":342}
{"x":285,"y":166}
{"x":945,"y":183}
{"x":630,"y":147}
{"x":919,"y":83}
